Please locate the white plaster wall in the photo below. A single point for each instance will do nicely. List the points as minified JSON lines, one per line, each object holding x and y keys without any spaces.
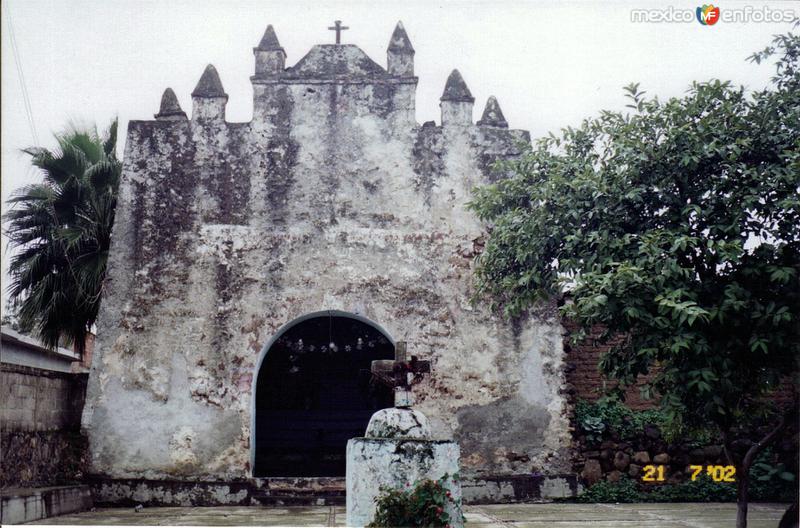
{"x":326,"y":201}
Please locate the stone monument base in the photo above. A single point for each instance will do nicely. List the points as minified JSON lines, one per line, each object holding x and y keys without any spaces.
{"x":373,"y":463}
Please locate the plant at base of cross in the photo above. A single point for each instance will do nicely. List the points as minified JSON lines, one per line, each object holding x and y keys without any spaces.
{"x":675,"y":228}
{"x":424,"y":504}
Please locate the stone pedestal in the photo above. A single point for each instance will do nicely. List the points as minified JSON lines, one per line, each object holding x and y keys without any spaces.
{"x":396,"y":452}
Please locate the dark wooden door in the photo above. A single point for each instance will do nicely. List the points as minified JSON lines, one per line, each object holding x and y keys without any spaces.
{"x":314,"y":392}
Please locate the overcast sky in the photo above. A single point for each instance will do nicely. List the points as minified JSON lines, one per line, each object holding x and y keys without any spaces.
{"x":549,"y":64}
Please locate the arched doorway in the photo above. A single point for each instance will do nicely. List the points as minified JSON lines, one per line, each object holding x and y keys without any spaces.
{"x":313,"y":392}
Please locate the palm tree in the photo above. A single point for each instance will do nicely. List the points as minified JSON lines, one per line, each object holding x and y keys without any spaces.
{"x":61,"y":231}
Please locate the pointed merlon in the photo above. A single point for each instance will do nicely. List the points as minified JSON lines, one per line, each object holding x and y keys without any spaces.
{"x":456,"y":89}
{"x":399,"y":43}
{"x":492,"y":115}
{"x":209,"y":84}
{"x":170,"y":108}
{"x":269,"y":42}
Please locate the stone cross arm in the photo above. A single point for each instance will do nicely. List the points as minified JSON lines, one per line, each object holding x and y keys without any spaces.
{"x":401,"y":373}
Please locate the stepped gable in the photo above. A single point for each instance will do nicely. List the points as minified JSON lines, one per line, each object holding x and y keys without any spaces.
{"x":335,"y":61}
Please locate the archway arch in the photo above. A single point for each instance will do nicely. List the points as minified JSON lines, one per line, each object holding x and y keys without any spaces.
{"x":312,"y":392}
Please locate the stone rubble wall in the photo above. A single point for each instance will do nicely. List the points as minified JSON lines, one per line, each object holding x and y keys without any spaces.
{"x":612,"y":460}
{"x":40,"y":441}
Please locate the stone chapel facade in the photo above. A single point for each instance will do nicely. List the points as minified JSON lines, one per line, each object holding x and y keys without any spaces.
{"x":333,"y":206}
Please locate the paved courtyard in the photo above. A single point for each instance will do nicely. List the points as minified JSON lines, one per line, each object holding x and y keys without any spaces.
{"x":694,"y":515}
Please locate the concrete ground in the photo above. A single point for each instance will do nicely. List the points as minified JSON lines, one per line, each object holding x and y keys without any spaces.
{"x":683,"y":515}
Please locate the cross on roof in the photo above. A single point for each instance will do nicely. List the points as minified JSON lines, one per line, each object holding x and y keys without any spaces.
{"x":338,"y":28}
{"x":400,"y":373}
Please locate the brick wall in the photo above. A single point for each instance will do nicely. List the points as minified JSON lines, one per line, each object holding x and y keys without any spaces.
{"x":584,"y":381}
{"x":40,"y":414}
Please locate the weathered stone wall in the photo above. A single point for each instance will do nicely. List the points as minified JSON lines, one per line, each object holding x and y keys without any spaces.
{"x":40,"y":442}
{"x":331,"y":198}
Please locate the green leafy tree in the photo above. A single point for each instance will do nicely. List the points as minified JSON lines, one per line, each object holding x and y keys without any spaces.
{"x":677,"y":225}
{"x":60,"y":231}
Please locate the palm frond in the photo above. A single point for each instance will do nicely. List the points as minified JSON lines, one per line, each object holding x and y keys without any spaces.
{"x":103,"y":175}
{"x":110,"y":142}
{"x":61,"y":231}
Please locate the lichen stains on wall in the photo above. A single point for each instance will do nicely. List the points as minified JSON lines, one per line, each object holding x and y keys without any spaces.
{"x":331,"y":198}
{"x":428,"y":162}
{"x":501,"y":435}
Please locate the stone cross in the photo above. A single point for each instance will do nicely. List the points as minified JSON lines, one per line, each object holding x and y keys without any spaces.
{"x":401,"y":373}
{"x":338,"y":28}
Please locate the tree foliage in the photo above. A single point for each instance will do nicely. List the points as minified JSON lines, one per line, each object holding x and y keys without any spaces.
{"x":60,"y":231}
{"x":675,"y":224}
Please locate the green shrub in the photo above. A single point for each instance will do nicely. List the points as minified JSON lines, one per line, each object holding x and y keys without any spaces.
{"x":625,"y":490}
{"x":594,"y":428}
{"x":771,"y":480}
{"x":704,"y":489}
{"x":599,"y":419}
{"x":609,"y":414}
{"x":423,"y":505}
{"x":698,"y":437}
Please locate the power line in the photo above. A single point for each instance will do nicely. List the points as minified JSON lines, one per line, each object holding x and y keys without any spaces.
{"x":18,"y":62}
